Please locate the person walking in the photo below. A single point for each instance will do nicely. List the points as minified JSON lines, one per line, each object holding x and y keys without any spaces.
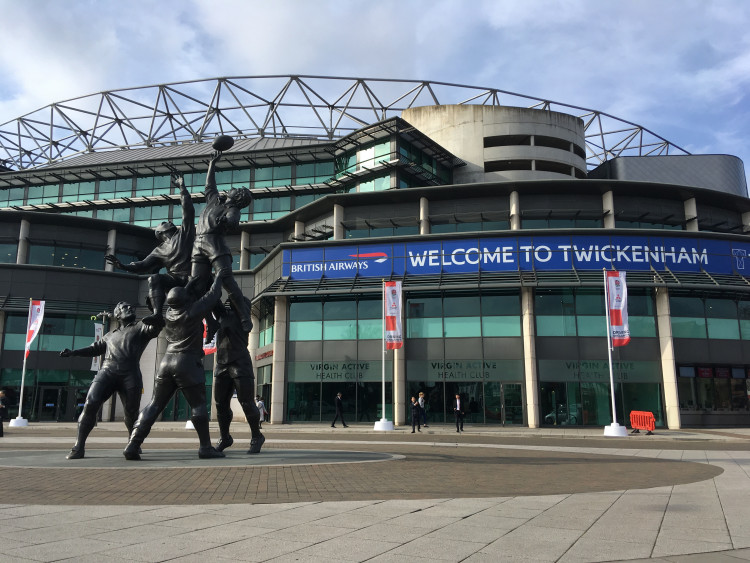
{"x":339,"y":411}
{"x":3,"y":411}
{"x":416,"y":415}
{"x":458,"y":410}
{"x":423,"y":407}
{"x":261,"y":408}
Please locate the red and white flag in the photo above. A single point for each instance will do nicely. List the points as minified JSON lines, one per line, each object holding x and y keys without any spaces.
{"x":394,"y":337}
{"x":36,"y":314}
{"x":208,"y":347}
{"x":617,"y":302}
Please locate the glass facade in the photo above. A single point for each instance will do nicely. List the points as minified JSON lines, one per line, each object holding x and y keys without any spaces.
{"x":574,"y":386}
{"x":329,"y":352}
{"x":457,"y":344}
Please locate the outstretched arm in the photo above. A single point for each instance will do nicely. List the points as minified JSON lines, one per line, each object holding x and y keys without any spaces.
{"x":96,"y":349}
{"x":211,"y":176}
{"x":148,"y":265}
{"x":188,"y":209}
{"x":205,"y":304}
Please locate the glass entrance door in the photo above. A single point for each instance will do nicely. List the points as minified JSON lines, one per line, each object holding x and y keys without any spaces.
{"x":51,"y":404}
{"x":512,"y":394}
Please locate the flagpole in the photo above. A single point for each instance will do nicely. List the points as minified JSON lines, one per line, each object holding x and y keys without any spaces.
{"x":383,"y":423}
{"x":19,"y":420}
{"x":613,"y":429}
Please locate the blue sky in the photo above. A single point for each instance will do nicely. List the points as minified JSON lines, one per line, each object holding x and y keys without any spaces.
{"x":678,"y":67}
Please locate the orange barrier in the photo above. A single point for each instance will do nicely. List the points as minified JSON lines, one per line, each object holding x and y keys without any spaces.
{"x":642,"y":420}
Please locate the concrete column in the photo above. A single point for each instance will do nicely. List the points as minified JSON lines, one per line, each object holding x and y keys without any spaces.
{"x":244,"y":250}
{"x":252,"y":346}
{"x":278,"y":370}
{"x":515,"y":212}
{"x":23,"y":242}
{"x":399,"y":387}
{"x":299,"y":229}
{"x":608,"y":207}
{"x":529,"y":357}
{"x":746,"y":222}
{"x":338,"y":219}
{"x":668,"y":366}
{"x":691,"y":215}
{"x":111,"y":248}
{"x":424,"y":216}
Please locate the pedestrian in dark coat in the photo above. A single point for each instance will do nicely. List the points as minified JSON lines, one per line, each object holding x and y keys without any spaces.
{"x":460,"y":411}
{"x":416,"y":415}
{"x":339,"y":412}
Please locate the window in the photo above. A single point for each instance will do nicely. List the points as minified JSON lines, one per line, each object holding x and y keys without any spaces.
{"x":49,"y":193}
{"x":78,"y":191}
{"x":270,"y":208}
{"x":11,"y":197}
{"x":116,"y":188}
{"x":67,"y":256}
{"x":152,"y":216}
{"x":314,"y":172}
{"x":710,"y":317}
{"x":268,"y":176}
{"x":8,"y":253}
{"x":152,"y":185}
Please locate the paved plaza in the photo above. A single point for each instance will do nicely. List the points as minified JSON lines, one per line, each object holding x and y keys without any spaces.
{"x":322,"y":494}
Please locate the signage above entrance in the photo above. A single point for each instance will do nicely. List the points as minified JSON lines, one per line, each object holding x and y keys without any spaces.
{"x":513,"y":253}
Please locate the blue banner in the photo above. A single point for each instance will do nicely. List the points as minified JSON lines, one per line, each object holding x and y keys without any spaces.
{"x":518,"y":252}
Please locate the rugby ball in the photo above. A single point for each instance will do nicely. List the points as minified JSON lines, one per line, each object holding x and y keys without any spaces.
{"x":223,"y":143}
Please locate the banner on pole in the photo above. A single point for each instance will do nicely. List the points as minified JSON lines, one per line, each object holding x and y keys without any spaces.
{"x":617,"y":297}
{"x":36,"y":314}
{"x":98,"y":334}
{"x":394,"y":337}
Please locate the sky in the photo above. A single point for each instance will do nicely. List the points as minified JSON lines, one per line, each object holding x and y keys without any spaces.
{"x":680,"y":68}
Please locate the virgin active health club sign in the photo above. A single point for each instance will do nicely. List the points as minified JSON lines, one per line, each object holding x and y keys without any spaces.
{"x":514,"y":253}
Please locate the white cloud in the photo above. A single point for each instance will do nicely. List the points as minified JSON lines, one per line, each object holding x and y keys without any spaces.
{"x":661,"y":64}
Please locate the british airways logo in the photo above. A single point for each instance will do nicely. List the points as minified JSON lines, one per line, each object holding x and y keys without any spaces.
{"x":380,"y":257}
{"x":359,"y":262}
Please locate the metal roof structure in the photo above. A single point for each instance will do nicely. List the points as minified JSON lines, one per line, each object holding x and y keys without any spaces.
{"x":322,"y":108}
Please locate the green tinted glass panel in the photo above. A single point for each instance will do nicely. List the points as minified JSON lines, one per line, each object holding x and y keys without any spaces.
{"x":724,"y":329}
{"x":686,"y":327}
{"x":340,"y":310}
{"x":370,"y":309}
{"x":340,"y":330}
{"x":8,"y":253}
{"x":424,"y":307}
{"x":306,"y":311}
{"x":462,"y":326}
{"x":499,"y":305}
{"x":501,"y":326}
{"x":554,"y":325}
{"x":721,"y":308}
{"x":370,"y":329}
{"x":590,"y":303}
{"x":305,"y":330}
{"x":686,"y":306}
{"x":592,"y":325}
{"x":745,"y":329}
{"x":424,"y":328}
{"x":642,"y":327}
{"x":461,"y":306}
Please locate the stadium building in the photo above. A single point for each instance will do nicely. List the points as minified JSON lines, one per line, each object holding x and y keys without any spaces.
{"x":498,"y":212}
